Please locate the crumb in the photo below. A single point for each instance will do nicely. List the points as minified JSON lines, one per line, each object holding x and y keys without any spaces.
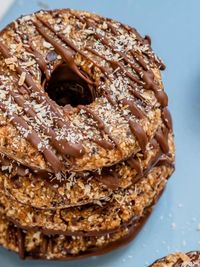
{"x":198,"y":227}
{"x":184,"y":243}
{"x":173,"y":226}
{"x":180,"y":205}
{"x":42,"y":4}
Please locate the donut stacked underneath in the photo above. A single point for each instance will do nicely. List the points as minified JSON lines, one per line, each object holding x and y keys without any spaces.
{"x":86,"y":139}
{"x":180,"y":259}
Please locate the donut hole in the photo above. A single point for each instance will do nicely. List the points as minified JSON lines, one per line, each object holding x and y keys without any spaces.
{"x":66,"y":88}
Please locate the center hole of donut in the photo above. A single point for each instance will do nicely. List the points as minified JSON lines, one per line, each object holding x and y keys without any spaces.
{"x":66,"y":88}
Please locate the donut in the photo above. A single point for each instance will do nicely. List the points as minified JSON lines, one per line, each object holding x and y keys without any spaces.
{"x":121,"y":93}
{"x":123,"y":207}
{"x":35,"y":245}
{"x":86,"y":137}
{"x":80,"y":188}
{"x":179,"y":259}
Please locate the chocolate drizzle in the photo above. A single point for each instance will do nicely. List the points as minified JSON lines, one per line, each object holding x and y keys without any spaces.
{"x":142,"y":75}
{"x":66,"y":53}
{"x":140,"y":134}
{"x":40,"y":60}
{"x":21,"y":243}
{"x":62,"y":146}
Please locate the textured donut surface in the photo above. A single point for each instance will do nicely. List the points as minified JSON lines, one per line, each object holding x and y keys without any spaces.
{"x":113,"y":67}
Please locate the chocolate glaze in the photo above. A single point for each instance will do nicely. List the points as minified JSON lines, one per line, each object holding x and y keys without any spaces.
{"x":40,"y":60}
{"x":101,"y":126}
{"x":166,"y":116}
{"x":161,"y":137}
{"x":140,"y":134}
{"x":133,"y":108}
{"x":135,"y":164}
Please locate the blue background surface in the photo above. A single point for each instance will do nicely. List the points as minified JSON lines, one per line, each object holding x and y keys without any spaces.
{"x":174,"y":28}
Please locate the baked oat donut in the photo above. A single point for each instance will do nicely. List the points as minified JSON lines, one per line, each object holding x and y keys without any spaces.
{"x":36,"y":245}
{"x":86,"y":138}
{"x":78,"y":91}
{"x":123,"y":207}
{"x":80,"y":188}
{"x":190,"y":259}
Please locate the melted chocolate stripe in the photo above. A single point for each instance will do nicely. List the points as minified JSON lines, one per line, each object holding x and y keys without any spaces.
{"x":135,"y":164}
{"x":103,"y":143}
{"x":66,"y":53}
{"x":166,"y":116}
{"x":141,"y":40}
{"x":71,"y":44}
{"x":33,"y":138}
{"x":40,"y":60}
{"x":62,"y":146}
{"x":133,"y":108}
{"x":161,"y":137}
{"x":140,"y":134}
{"x":132,"y":89}
{"x":147,"y":76}
{"x":101,"y":125}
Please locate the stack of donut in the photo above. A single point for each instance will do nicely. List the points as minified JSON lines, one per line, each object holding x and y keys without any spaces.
{"x":86,"y":140}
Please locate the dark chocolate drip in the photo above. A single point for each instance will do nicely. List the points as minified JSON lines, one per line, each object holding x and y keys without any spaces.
{"x":101,"y":125}
{"x":66,"y":53}
{"x":140,"y":134}
{"x":109,"y":178}
{"x":114,"y":64}
{"x":166,"y":116}
{"x":70,"y":44}
{"x":139,"y":59}
{"x":135,"y":164}
{"x":133,"y":108}
{"x":34,"y":139}
{"x":146,"y":75}
{"x":147,"y":39}
{"x":132,"y":90}
{"x":16,"y":168}
{"x":104,"y":143}
{"x":21,"y":243}
{"x":40,"y":60}
{"x":62,"y":146}
{"x":161,"y":137}
{"x":163,"y":160}
{"x":111,"y":27}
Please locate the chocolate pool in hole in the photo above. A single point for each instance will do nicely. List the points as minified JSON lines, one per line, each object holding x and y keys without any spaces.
{"x":66,"y":88}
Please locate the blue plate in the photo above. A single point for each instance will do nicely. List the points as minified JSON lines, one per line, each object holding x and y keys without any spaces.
{"x":174,"y":28}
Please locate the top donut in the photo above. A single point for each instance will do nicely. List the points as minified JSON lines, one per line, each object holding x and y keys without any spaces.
{"x":77,"y":91}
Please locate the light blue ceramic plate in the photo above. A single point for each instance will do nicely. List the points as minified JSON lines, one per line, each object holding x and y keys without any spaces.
{"x":175,"y":30}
